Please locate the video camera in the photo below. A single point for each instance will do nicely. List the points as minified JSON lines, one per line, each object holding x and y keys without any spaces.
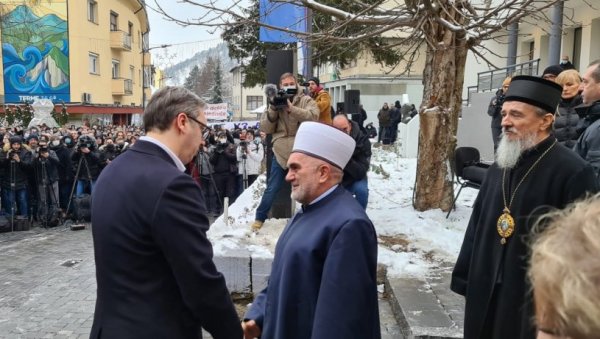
{"x":279,"y":98}
{"x":86,"y":142}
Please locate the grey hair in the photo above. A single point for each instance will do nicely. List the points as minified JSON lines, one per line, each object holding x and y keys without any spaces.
{"x":596,"y":72}
{"x":167,"y":103}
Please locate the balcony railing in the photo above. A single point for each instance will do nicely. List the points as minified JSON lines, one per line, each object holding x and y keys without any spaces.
{"x":492,"y":80}
{"x":489,"y":81}
{"x":122,"y":86}
{"x":120,"y":40}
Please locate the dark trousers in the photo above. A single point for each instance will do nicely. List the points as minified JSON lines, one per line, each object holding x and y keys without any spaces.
{"x":225,"y":183}
{"x":213,"y":204}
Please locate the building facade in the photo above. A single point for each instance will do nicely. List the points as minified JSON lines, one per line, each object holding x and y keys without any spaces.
{"x":91,"y":55}
{"x":246,"y":102}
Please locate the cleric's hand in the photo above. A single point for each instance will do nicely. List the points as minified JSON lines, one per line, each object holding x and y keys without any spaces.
{"x":251,"y":329}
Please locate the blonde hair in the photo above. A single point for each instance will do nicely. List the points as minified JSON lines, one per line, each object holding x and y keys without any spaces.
{"x":565,"y":270}
{"x":568,"y":75}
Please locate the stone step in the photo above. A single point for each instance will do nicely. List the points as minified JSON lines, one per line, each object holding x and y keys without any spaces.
{"x":426,"y":308}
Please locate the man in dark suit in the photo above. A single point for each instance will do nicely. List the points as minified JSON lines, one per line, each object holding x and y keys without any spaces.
{"x":154,"y":268}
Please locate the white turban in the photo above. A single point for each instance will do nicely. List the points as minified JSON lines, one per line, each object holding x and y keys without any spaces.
{"x":324,"y":142}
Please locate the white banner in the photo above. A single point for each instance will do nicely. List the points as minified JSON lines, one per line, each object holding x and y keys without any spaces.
{"x":216,"y":111}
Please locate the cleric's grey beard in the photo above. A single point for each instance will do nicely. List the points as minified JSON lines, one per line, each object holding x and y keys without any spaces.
{"x":509,"y":151}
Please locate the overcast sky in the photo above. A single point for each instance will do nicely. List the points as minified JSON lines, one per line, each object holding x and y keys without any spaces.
{"x":184,"y":41}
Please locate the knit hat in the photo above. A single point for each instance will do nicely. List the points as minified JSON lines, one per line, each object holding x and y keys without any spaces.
{"x":315,"y":79}
{"x":535,"y":91}
{"x":324,"y":142}
{"x":554,"y":70}
{"x":15,"y":139}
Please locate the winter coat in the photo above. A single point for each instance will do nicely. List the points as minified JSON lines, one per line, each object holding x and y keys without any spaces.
{"x":49,"y":166}
{"x":21,"y":169}
{"x":253,"y":159}
{"x":495,"y":109}
{"x":223,"y":159}
{"x":588,"y":144}
{"x":283,"y":125}
{"x":323,"y":101}
{"x":385,"y":117}
{"x":566,"y":122}
{"x":93,"y":161}
{"x":359,"y":163}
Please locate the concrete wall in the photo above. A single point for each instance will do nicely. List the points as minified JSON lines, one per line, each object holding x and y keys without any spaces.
{"x":474,"y":128}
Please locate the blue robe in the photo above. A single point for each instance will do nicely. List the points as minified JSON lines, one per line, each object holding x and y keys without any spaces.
{"x":323,"y":280}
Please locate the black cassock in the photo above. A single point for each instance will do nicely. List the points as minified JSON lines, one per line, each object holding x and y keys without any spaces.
{"x":492,"y":276}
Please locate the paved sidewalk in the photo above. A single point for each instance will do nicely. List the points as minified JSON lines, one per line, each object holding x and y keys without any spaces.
{"x":48,"y":285}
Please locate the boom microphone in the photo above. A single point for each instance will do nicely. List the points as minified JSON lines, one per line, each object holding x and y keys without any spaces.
{"x":270,"y":90}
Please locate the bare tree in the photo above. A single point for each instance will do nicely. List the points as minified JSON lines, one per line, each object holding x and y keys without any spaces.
{"x":448,"y":30}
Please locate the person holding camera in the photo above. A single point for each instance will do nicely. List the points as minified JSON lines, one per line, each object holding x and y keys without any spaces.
{"x":16,"y":162}
{"x":282,"y":121}
{"x":494,"y":110}
{"x":66,"y":172}
{"x":250,"y":153}
{"x":45,"y":169}
{"x":224,"y":164}
{"x":87,"y":164}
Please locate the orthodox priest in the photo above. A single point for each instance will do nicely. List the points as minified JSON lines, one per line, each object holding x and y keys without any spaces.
{"x":532,"y":174}
{"x":323,"y":281}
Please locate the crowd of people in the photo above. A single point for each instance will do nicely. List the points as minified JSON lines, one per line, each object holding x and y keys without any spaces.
{"x":390,"y":117}
{"x":43,"y":169}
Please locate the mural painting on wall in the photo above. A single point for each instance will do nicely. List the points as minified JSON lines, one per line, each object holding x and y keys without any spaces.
{"x":35,"y":52}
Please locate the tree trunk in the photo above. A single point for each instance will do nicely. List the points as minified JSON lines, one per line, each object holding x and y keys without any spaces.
{"x":442,"y":100}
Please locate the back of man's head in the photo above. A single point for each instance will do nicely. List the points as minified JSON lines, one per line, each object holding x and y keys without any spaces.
{"x":166,"y":103}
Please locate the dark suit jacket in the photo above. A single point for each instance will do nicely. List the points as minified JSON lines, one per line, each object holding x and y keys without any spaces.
{"x":154,"y":268}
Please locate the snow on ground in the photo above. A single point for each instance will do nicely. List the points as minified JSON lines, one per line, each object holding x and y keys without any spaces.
{"x":411,"y":243}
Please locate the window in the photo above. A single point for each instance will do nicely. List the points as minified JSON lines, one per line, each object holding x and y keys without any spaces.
{"x":130,"y":29}
{"x":92,"y":11}
{"x":132,"y":74}
{"x":93,"y":63}
{"x":114,"y":19}
{"x":253,"y":102}
{"x":115,"y":69}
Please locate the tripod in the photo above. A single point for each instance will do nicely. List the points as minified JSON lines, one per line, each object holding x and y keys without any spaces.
{"x":200,"y":160}
{"x":13,"y":198}
{"x":82,"y":160}
{"x":46,"y":207}
{"x":244,"y":171}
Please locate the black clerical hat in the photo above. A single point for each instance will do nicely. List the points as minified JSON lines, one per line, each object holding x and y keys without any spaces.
{"x":535,"y":91}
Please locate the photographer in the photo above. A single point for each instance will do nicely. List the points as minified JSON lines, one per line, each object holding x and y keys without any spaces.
{"x":494,"y":110}
{"x":108,"y":152}
{"x":223,"y":160}
{"x":87,"y":164}
{"x":66,"y":174}
{"x":45,"y":169}
{"x":282,"y":120}
{"x":16,"y":162}
{"x":250,"y":153}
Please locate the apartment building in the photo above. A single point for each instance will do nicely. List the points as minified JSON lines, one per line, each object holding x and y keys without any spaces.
{"x":246,"y":102}
{"x":91,"y":55}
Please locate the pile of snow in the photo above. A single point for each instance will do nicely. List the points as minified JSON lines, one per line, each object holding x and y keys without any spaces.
{"x":412,"y":243}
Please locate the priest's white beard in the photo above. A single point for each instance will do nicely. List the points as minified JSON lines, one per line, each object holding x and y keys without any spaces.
{"x":509,"y":151}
